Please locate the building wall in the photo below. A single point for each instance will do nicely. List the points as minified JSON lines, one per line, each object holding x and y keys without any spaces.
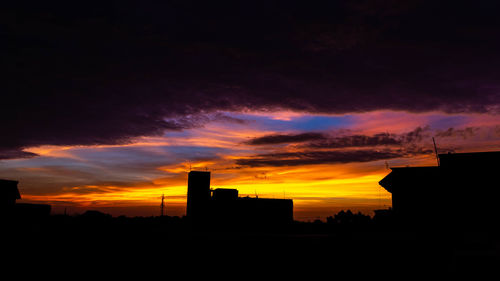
{"x":9,"y":193}
{"x":462,"y":192}
{"x":198,"y":194}
{"x":226,"y":207}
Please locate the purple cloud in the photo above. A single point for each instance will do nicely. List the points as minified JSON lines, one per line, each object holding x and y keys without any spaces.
{"x":326,"y":157}
{"x":104,"y":74}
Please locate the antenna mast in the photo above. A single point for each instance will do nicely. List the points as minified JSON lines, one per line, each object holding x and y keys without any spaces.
{"x":436,"y":151}
{"x":162,"y":204}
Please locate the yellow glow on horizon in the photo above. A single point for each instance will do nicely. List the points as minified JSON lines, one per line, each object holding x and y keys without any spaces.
{"x":312,"y":187}
{"x":114,"y":195}
{"x":317,"y":187}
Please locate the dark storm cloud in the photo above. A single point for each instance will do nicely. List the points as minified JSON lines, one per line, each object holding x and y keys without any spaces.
{"x":281,"y":138}
{"x":358,"y":141}
{"x":105,"y":72}
{"x":325,"y":140}
{"x":326,"y":157}
{"x":220,"y":117}
{"x":461,"y":133}
{"x":15,"y":153}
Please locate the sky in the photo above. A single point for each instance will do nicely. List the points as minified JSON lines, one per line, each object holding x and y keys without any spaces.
{"x":107,"y":105}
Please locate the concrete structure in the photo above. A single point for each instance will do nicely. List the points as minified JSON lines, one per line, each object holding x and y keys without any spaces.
{"x":9,"y":208}
{"x":224,"y":206}
{"x":8,"y":193}
{"x":462,"y":190}
{"x":198,"y":194}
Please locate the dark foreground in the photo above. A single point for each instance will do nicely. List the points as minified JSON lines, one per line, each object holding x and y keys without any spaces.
{"x":161,"y":246}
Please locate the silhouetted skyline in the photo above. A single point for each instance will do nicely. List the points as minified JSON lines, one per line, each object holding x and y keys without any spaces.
{"x":108,"y":105}
{"x":223,"y":206}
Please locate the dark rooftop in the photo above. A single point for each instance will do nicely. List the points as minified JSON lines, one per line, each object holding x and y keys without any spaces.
{"x":8,"y":189}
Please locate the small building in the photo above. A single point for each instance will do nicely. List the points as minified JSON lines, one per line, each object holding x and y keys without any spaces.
{"x":462,"y":190}
{"x":223,"y":205}
{"x":9,"y":194}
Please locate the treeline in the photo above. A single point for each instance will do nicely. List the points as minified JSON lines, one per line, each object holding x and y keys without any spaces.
{"x":97,"y":222}
{"x":92,"y":221}
{"x":346,"y":221}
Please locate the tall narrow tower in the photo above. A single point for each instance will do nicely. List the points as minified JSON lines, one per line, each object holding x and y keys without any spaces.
{"x":198,"y":195}
{"x":162,"y":206}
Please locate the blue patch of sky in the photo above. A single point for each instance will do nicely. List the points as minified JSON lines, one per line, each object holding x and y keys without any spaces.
{"x":147,"y":154}
{"x":320,"y":123}
{"x":40,"y":161}
{"x":177,"y":134}
{"x":116,"y":163}
{"x":299,"y":123}
{"x":194,"y":152}
{"x":114,"y":157}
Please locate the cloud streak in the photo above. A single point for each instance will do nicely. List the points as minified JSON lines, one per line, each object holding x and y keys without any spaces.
{"x":282,"y":138}
{"x":325,"y":157}
{"x":331,"y":140}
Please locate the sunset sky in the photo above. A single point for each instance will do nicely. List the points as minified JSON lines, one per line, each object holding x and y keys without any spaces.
{"x":107,"y":107}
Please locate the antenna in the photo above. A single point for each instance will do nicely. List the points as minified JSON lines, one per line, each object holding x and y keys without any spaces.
{"x":162,"y":204}
{"x":436,"y":151}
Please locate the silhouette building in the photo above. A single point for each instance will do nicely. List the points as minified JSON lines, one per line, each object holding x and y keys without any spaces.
{"x":462,"y":190}
{"x":9,"y":193}
{"x":224,"y":206}
{"x":198,"y":195}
